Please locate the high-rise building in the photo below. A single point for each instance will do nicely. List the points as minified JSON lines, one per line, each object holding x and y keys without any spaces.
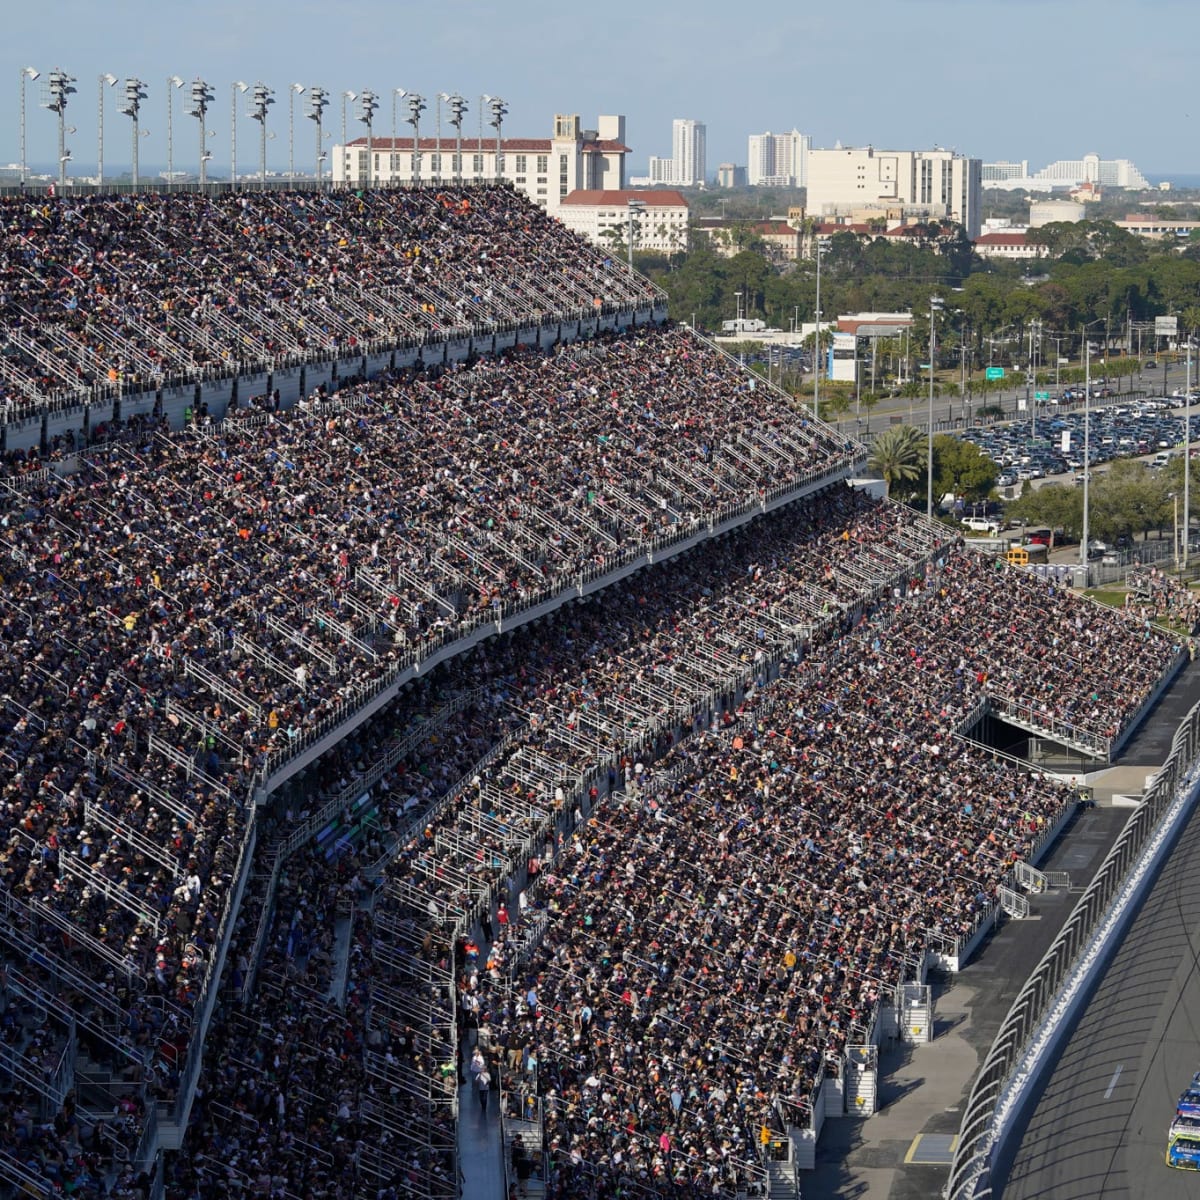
{"x":930,"y":183}
{"x":778,"y":159}
{"x":1066,"y":173}
{"x":688,"y":152}
{"x":662,"y":170}
{"x":730,"y":176}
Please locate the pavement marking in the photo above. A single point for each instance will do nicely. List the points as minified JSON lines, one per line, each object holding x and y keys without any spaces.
{"x":934,"y":1149}
{"x":1112,"y":1083}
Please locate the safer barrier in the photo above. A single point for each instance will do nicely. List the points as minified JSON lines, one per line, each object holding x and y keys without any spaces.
{"x":990,"y":1099}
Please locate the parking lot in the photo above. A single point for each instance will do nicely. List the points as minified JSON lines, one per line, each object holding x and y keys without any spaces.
{"x":1150,"y":428}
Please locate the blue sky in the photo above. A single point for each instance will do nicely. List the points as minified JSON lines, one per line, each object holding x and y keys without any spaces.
{"x":1036,"y":79}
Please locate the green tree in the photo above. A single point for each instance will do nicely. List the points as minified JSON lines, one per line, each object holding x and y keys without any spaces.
{"x":898,"y":455}
{"x":961,"y":468}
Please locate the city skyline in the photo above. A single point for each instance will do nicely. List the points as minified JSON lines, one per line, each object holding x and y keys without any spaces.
{"x":946,"y":75}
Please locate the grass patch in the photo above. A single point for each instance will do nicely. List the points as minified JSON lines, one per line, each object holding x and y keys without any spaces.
{"x":1109,"y":596}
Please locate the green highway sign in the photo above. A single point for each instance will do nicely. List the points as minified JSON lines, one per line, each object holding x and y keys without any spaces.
{"x":1041,"y":395}
{"x":995,"y":373}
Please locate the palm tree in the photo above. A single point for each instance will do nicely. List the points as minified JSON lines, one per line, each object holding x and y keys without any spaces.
{"x":898,"y":455}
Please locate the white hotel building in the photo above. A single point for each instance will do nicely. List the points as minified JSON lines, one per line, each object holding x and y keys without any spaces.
{"x":545,"y":169}
{"x":927,"y":183}
{"x":778,"y":159}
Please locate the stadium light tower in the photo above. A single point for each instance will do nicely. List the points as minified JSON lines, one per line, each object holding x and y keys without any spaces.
{"x":347,"y":97}
{"x":437,"y":138}
{"x":59,"y":87}
{"x":106,"y":80}
{"x":173,"y":83}
{"x":296,"y":89}
{"x":28,"y":75}
{"x":416,"y":106}
{"x":935,"y":307}
{"x":499,"y":111}
{"x":201,"y":98}
{"x":234,"y":88}
{"x":368,"y":102}
{"x":458,"y":110}
{"x":135,"y":93}
{"x":264,"y":97}
{"x":318,"y":98}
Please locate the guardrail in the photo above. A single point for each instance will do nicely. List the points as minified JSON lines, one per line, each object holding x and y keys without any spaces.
{"x":970,"y":1173}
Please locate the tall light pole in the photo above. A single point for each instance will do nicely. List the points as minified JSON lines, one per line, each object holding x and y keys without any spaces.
{"x":394,"y":161}
{"x":236,"y":87}
{"x":296,"y":89}
{"x":499,"y":111}
{"x":820,"y":246}
{"x":60,"y":87}
{"x":367,"y":104}
{"x":458,"y":110}
{"x":173,"y":83}
{"x":935,"y":306}
{"x":437,"y":138}
{"x":202,"y":97}
{"x":135,"y":93}
{"x":347,"y":97}
{"x":416,"y":106}
{"x":636,"y":209}
{"x":264,"y":97}
{"x":106,"y":80}
{"x":28,"y":75}
{"x":1087,"y":445}
{"x":318,"y":98}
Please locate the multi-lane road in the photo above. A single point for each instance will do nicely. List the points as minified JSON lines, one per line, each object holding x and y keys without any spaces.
{"x":1099,"y":1127}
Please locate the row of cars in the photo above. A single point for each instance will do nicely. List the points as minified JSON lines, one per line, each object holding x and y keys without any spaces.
{"x":1183,"y":1138}
{"x":1057,"y":445}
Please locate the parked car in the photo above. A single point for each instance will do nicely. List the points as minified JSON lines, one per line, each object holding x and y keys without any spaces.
{"x":982,"y":524}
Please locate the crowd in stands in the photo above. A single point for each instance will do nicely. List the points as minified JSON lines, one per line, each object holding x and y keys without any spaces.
{"x":856,"y":863}
{"x":1157,"y":595}
{"x":184,"y":611}
{"x":154,"y":287}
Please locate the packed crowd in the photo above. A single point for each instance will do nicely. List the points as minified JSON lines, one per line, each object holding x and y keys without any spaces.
{"x":658,"y":647}
{"x":101,"y":287}
{"x":1157,"y":595}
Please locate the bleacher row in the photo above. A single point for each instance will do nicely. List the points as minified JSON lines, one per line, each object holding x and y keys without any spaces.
{"x":183,"y":613}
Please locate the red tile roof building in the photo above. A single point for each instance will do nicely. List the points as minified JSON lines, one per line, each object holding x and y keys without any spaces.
{"x":545,"y":169}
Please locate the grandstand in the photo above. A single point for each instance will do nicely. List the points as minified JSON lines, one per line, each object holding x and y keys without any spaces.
{"x":395,"y":560}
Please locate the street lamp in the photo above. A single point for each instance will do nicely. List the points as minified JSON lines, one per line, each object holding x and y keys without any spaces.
{"x":820,"y":246}
{"x":458,"y":110}
{"x":202,"y":97}
{"x":28,"y":74}
{"x":499,"y":111}
{"x":235,"y":88}
{"x":296,"y":89}
{"x":60,"y":86}
{"x":367,"y":104}
{"x":318,"y":98}
{"x":173,"y":82}
{"x":935,"y":306}
{"x":635,"y":208}
{"x":106,"y":80}
{"x":347,"y":97}
{"x":416,"y":106}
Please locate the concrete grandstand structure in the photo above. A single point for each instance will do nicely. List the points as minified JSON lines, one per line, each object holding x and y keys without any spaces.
{"x":392,"y":567}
